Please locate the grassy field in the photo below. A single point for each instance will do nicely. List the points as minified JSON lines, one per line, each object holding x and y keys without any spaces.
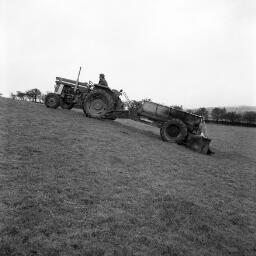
{"x":72,"y":185}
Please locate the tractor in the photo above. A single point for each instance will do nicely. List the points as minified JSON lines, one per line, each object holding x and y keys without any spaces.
{"x":96,"y":100}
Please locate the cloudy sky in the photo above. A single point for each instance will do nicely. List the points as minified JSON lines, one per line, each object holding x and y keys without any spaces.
{"x":177,"y":52}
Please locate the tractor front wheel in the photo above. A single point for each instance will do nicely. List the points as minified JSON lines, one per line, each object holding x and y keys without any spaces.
{"x":174,"y":131}
{"x":52,"y":100}
{"x":98,"y":103}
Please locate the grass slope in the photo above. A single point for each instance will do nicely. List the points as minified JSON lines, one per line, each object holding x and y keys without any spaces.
{"x":72,"y":185}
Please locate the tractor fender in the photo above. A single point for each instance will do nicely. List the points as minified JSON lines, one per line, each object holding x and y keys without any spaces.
{"x":99,"y":86}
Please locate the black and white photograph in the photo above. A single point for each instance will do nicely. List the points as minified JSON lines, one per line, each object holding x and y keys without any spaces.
{"x":127,"y":128}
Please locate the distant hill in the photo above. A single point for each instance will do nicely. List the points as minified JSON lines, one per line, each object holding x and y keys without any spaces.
{"x":238,"y":109}
{"x":241,"y":109}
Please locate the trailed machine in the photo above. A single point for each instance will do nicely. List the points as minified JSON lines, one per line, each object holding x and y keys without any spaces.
{"x":175,"y":125}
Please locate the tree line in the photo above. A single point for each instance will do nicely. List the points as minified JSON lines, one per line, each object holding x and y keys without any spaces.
{"x":34,"y":95}
{"x":222,"y":115}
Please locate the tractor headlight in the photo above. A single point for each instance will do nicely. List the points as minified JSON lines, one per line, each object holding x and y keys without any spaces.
{"x":56,"y":87}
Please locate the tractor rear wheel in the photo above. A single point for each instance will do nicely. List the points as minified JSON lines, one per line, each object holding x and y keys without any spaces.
{"x":66,"y":105}
{"x":52,"y":100}
{"x":98,"y":103}
{"x":174,"y":131}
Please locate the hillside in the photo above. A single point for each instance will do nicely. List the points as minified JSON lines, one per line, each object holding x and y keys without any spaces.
{"x":72,"y":185}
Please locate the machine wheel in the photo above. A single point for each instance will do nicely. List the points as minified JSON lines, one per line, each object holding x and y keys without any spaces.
{"x":52,"y":100}
{"x":65,"y":105}
{"x":174,"y":131}
{"x":98,"y":103}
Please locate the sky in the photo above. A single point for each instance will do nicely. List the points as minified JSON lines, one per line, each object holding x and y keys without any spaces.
{"x":199,"y":53}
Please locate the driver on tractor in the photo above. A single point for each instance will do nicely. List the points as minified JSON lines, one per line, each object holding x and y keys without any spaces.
{"x":103,"y":81}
